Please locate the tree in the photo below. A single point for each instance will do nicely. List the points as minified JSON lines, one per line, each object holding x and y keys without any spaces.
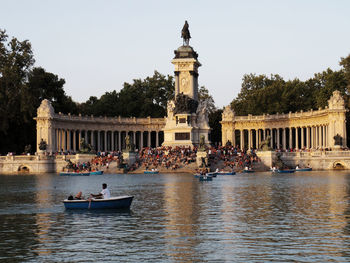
{"x":204,"y":96}
{"x":142,"y":98}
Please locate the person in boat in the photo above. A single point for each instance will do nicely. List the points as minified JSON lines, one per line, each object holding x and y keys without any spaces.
{"x":78,"y":196}
{"x":105,"y":194}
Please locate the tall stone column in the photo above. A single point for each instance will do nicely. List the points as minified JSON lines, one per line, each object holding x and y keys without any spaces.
{"x":296,"y":138}
{"x":284,"y":139}
{"x":308,"y":137}
{"x":256,"y":139}
{"x":157,"y":138}
{"x":302,"y":137}
{"x":68,"y":140}
{"x":242,"y":139}
{"x":93,"y":139}
{"x":141,"y":139}
{"x":264,"y":134}
{"x":99,"y":141}
{"x":278,"y":139}
{"x":290,"y":138}
{"x":105,"y":141}
{"x":119,"y":141}
{"x":249,"y":138}
{"x":234,"y":137}
{"x":112,"y":141}
{"x":149,"y":139}
{"x":79,"y":139}
{"x":324,"y":136}
{"x":64,"y":137}
{"x":74,"y":140}
{"x":271,"y":136}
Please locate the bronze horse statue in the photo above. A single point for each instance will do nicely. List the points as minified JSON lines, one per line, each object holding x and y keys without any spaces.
{"x":185,"y":34}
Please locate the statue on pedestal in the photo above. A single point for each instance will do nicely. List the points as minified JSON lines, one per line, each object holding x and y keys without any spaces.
{"x":338,"y":140}
{"x":202,"y":143}
{"x":129,"y":146}
{"x":185,"y":34}
{"x":265,"y":144}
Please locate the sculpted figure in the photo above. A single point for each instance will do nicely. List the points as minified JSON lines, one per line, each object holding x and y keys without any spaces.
{"x":338,"y":140}
{"x":185,"y":34}
{"x":129,"y":146}
{"x":202,"y":143}
{"x":265,"y":144}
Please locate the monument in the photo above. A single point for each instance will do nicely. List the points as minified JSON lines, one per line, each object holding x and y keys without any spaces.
{"x":187,"y":119}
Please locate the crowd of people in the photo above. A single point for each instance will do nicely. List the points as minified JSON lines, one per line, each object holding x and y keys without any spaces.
{"x":173,"y":158}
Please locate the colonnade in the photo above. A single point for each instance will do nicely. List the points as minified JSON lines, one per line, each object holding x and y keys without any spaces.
{"x":305,"y":137}
{"x":104,"y":140}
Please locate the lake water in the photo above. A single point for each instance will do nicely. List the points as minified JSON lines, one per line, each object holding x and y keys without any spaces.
{"x":301,"y":217}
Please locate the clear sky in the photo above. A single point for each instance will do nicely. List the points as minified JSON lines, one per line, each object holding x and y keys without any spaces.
{"x":96,"y":46}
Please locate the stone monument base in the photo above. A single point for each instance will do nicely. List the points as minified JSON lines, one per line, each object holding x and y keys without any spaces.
{"x":129,"y":157}
{"x":202,"y":157}
{"x":267,"y":159}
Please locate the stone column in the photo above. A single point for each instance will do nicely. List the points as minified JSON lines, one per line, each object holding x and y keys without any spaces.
{"x":302,"y":137}
{"x":93,"y":139}
{"x":112,"y":141}
{"x":157,"y":138}
{"x":64,"y":146}
{"x":242,"y":139}
{"x":284,"y":139}
{"x":141,"y":139}
{"x":271,"y":136}
{"x":149,"y":139}
{"x":324,"y":136}
{"x":290,"y":138}
{"x":98,"y":141}
{"x":68,"y":140}
{"x":79,"y":139}
{"x":249,"y":138}
{"x":257,"y":139}
{"x":264,"y":134}
{"x":296,"y":138}
{"x":234,"y":137}
{"x":105,"y":142}
{"x":119,"y":141}
{"x":307,"y":137}
{"x":278,"y":139}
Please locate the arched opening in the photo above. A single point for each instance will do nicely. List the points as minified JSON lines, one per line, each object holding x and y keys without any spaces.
{"x":338,"y":165}
{"x":23,"y":169}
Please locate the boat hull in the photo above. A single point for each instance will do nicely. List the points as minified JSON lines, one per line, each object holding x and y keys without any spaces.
{"x":96,"y":173}
{"x":248,"y":171}
{"x":151,"y":172}
{"x":303,"y":169}
{"x":119,"y":202}
{"x":285,"y":171}
{"x":74,"y":174}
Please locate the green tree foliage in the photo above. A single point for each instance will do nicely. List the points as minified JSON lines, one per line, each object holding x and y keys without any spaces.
{"x":261,"y":94}
{"x":203,"y":95}
{"x":142,"y":98}
{"x":22,"y":88}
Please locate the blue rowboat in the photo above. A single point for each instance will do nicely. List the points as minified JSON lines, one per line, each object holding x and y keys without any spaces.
{"x":303,"y":169}
{"x":111,"y":203}
{"x":74,"y":174}
{"x":213,"y":174}
{"x":248,"y":171}
{"x":227,"y":173}
{"x":150,"y":172}
{"x":286,"y":171}
{"x":96,"y":173}
{"x":205,"y":178}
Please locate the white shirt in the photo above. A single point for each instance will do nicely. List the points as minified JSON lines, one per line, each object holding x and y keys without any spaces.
{"x":106,"y":194}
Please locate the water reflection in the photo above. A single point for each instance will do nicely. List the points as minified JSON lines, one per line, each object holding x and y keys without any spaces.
{"x":174,"y":218}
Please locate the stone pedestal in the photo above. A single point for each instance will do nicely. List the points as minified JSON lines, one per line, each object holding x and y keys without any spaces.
{"x":201,"y":156}
{"x":267,"y":159}
{"x":129,"y":157}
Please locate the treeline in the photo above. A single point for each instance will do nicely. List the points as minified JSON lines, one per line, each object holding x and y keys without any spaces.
{"x":262,"y":94}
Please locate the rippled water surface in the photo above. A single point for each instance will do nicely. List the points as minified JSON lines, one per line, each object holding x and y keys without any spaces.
{"x":302,"y":217}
